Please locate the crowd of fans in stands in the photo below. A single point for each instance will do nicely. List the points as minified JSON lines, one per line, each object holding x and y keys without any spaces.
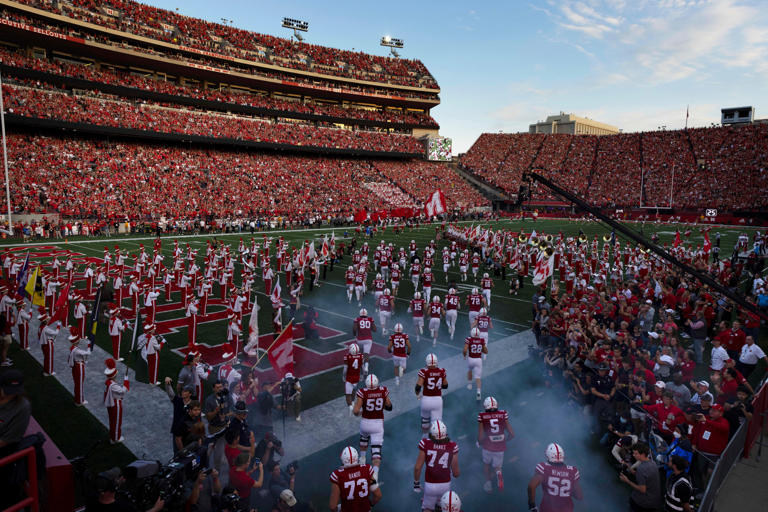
{"x":232,"y":97}
{"x":722,"y":167}
{"x":88,"y":179}
{"x":53,"y":104}
{"x":164,"y":25}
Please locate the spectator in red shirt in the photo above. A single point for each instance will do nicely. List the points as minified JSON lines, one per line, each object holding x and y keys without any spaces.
{"x":710,"y":439}
{"x":240,"y":478}
{"x":666,"y":415}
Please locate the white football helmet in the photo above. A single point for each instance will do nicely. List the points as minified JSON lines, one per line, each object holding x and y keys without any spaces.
{"x":417,"y":295}
{"x":413,"y":241}
{"x":475,"y":332}
{"x":378,"y":276}
{"x":490,"y":403}
{"x":416,"y":260}
{"x":395,"y":266}
{"x":431,"y":360}
{"x":354,"y":349}
{"x":450,"y":502}
{"x":387,"y":291}
{"x":483,"y":311}
{"x":438,"y":430}
{"x":427,"y":270}
{"x":349,"y":457}
{"x":357,"y":252}
{"x":485,"y":274}
{"x":435,"y":298}
{"x":363,"y":312}
{"x":452,"y":291}
{"x":351,"y":268}
{"x":474,"y":291}
{"x":398,"y":327}
{"x":555,"y":453}
{"x":371,"y":381}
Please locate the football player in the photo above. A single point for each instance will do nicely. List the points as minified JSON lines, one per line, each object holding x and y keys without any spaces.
{"x":475,"y":301}
{"x":474,"y":348}
{"x":493,"y":431}
{"x":416,"y":308}
{"x":353,"y":485}
{"x":378,"y":289}
{"x":451,"y":310}
{"x":395,"y":278}
{"x":436,"y":312}
{"x":486,"y":283}
{"x":385,"y":305}
{"x":371,"y":402}
{"x":400,"y":347}
{"x":441,"y":457}
{"x":415,"y":271}
{"x":363,"y":329}
{"x":433,"y":380}
{"x":463,"y":264}
{"x":426,"y":282}
{"x":483,"y":323}
{"x":353,"y":363}
{"x":349,"y":277}
{"x":558,"y":482}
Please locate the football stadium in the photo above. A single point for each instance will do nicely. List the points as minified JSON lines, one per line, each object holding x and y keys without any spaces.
{"x":244,"y":269}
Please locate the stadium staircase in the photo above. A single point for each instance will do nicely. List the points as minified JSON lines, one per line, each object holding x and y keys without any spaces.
{"x":491,"y":192}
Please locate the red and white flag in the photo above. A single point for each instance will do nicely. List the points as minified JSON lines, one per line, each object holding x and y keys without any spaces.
{"x":677,"y":241}
{"x":544,"y":269}
{"x":253,"y":324}
{"x":435,"y":205}
{"x":707,"y":244}
{"x":280,"y":353}
{"x":325,"y":251}
{"x":276,"y":290}
{"x":61,"y":309}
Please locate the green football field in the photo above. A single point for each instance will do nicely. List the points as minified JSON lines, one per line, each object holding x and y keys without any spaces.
{"x":520,"y":389}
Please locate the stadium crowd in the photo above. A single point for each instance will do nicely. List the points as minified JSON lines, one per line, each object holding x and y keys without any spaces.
{"x":225,"y":40}
{"x":91,"y":179}
{"x":152,"y":117}
{"x":233,"y":97}
{"x":720,"y":167}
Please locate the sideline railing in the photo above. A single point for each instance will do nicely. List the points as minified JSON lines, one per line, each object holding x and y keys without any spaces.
{"x":32,"y":500}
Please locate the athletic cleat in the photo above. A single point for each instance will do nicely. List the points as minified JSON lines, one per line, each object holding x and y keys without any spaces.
{"x":434,"y":342}
{"x":477,"y":396}
{"x":500,"y":480}
{"x":469,"y":386}
{"x":351,"y":406}
{"x":487,"y":487}
{"x":397,"y":381}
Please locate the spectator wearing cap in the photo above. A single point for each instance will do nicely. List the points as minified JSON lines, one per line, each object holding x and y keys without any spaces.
{"x":702,"y":392}
{"x":750,"y":355}
{"x":238,"y":424}
{"x":602,"y":389}
{"x":180,"y":401}
{"x":285,"y":502}
{"x":710,"y":439}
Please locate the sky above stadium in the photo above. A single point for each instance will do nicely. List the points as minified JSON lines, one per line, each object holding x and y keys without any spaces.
{"x":503,"y":65}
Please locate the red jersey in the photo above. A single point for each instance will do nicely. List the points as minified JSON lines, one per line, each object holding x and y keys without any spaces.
{"x":494,"y":425}
{"x":463,"y":261}
{"x":384,"y":259}
{"x":433,"y":380}
{"x":557,"y":483}
{"x":364,"y":325}
{"x":427,"y":278}
{"x":354,"y":483}
{"x":354,"y":364}
{"x":474,"y":346}
{"x":435,"y":309}
{"x":386,"y":302}
{"x":350,"y":276}
{"x":485,"y":283}
{"x":483,"y":323}
{"x":359,"y":279}
{"x":415,"y":269}
{"x":475,"y":302}
{"x":417,"y":307}
{"x":475,"y":261}
{"x":399,"y":345}
{"x":451,"y":302}
{"x":379,"y":285}
{"x":395,"y":275}
{"x":373,"y":402}
{"x":438,"y":458}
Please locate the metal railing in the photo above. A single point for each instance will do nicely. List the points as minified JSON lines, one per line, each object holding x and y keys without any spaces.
{"x":32,"y":500}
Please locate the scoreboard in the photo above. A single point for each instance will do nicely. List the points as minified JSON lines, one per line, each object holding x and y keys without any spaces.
{"x":439,"y":149}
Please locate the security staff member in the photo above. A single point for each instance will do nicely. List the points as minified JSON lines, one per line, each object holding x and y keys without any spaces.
{"x":679,"y":488}
{"x":603,"y":390}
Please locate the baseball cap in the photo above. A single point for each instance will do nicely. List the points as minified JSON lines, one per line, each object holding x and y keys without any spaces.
{"x":703,"y":383}
{"x":717,"y":407}
{"x":240,"y":407}
{"x":12,"y":382}
{"x":660,"y":384}
{"x":287,"y":497}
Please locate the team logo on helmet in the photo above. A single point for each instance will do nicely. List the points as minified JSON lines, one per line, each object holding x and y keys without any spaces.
{"x":438,"y":430}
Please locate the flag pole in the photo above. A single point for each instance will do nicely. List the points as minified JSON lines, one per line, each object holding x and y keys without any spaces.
{"x":5,"y":156}
{"x":266,"y":351}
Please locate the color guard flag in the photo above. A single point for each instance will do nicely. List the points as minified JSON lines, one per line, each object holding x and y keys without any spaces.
{"x":280,"y":353}
{"x":435,"y":205}
{"x":677,"y":241}
{"x":61,"y":308}
{"x":707,"y":244}
{"x":544,"y":269}
{"x":34,"y":288}
{"x":21,"y":280}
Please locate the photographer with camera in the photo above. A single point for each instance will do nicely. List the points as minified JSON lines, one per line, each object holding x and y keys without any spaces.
{"x":270,"y":449}
{"x":107,"y":498}
{"x":190,"y":429}
{"x":218,"y":411}
{"x":280,"y":480}
{"x":238,"y":427}
{"x":290,"y":389}
{"x":265,"y":404}
{"x":180,"y":404}
{"x":241,"y":478}
{"x":206,"y":492}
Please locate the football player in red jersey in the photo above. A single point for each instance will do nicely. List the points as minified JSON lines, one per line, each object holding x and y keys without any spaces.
{"x":400,"y":347}
{"x":353,"y":363}
{"x":483,"y":323}
{"x":474,"y":348}
{"x":486,"y":283}
{"x":426,"y":282}
{"x":371,"y":402}
{"x":441,"y":457}
{"x":493,"y":431}
{"x":463,"y":264}
{"x":436,"y":312}
{"x":416,"y":308}
{"x":378,"y":289}
{"x":363,"y":329}
{"x":475,"y":301}
{"x":385,"y":304}
{"x":395,"y":276}
{"x":434,"y":380}
{"x":349,"y":277}
{"x":415,"y":271}
{"x":558,"y":482}
{"x":451,"y":310}
{"x":353,"y":485}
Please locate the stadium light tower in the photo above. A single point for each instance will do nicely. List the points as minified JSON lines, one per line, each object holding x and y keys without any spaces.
{"x":392,"y":43}
{"x":297,"y":26}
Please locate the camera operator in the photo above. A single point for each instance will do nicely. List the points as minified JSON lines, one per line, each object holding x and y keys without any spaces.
{"x":107,"y":499}
{"x":270,"y":449}
{"x":180,"y":404}
{"x":280,"y":480}
{"x":290,"y":389}
{"x":646,"y":489}
{"x":206,"y":492}
{"x":265,"y":404}
{"x":218,"y":411}
{"x":738,"y":410}
{"x":241,"y":478}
